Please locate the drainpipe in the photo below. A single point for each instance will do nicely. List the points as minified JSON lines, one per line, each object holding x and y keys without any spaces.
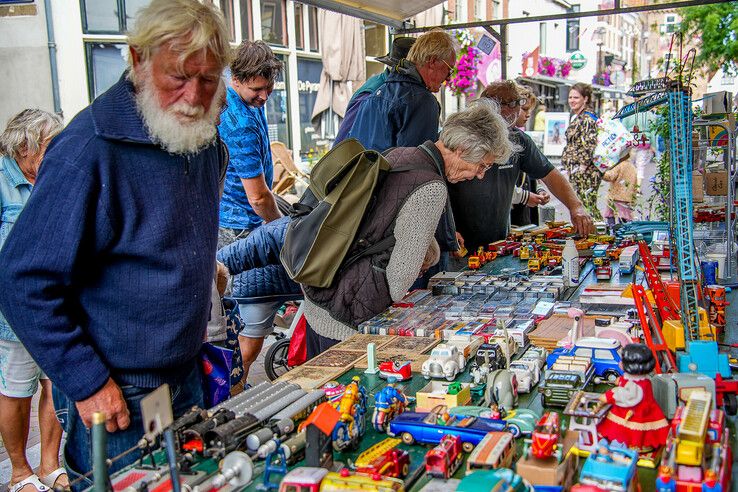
{"x":52,"y":58}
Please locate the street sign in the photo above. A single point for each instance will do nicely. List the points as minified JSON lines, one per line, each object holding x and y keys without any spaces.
{"x":578,"y":60}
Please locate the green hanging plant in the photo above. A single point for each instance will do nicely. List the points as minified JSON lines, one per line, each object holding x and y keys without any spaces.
{"x":658,"y":202}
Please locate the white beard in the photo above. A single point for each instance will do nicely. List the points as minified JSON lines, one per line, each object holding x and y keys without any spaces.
{"x":163,"y":126}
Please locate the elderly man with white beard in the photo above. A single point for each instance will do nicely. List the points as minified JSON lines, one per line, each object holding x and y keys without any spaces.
{"x":111,"y":293}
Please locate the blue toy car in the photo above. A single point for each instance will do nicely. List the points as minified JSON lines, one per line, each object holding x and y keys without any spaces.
{"x":604,"y":354}
{"x":430,"y":427}
{"x":611,"y":468}
{"x":500,"y":480}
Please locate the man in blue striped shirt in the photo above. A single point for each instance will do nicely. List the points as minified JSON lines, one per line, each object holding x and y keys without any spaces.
{"x":247,"y":198}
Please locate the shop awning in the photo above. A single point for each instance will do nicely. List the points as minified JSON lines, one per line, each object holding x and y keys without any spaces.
{"x":389,"y":12}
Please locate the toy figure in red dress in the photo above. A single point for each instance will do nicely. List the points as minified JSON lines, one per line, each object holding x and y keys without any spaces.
{"x":635,"y":418}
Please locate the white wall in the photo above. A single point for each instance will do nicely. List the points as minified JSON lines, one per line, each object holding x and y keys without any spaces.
{"x":70,"y":57}
{"x":25,"y":76}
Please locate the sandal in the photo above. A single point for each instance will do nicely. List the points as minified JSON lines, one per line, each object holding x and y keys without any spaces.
{"x":32,"y":480}
{"x":51,"y":479}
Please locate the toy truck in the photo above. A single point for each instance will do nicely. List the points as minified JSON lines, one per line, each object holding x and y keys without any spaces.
{"x":628,"y":259}
{"x":443,"y":460}
{"x":384,"y":458}
{"x":566,"y":376}
{"x":611,"y":468}
{"x":496,"y":450}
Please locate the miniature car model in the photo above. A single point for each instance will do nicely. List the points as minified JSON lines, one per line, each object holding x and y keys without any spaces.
{"x":474,"y":263}
{"x":520,"y":421}
{"x":384,"y":458}
{"x":445,"y":361}
{"x":502,"y":480}
{"x":536,"y":354}
{"x":430,"y":427}
{"x":604,"y":271}
{"x":527,"y":373}
{"x":400,"y":370}
{"x":611,"y":468}
{"x":443,"y":460}
{"x":567,"y":376}
{"x":603,"y":353}
{"x":544,"y":442}
{"x":496,"y":450}
{"x":304,"y":479}
{"x":491,"y":353}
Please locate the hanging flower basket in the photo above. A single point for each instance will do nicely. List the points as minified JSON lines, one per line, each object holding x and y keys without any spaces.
{"x":464,"y":76}
{"x":553,"y":67}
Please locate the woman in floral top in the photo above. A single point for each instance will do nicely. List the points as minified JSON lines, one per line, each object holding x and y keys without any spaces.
{"x":581,"y":140}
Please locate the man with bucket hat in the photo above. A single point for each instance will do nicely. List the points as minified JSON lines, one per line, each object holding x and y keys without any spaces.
{"x":400,"y":47}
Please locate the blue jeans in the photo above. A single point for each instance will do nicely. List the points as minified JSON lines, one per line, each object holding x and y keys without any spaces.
{"x":78,"y":447}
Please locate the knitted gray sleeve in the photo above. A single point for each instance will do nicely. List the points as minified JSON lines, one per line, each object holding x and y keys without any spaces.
{"x":414,"y":228}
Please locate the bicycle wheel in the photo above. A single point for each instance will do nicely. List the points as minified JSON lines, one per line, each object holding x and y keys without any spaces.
{"x":275,"y":360}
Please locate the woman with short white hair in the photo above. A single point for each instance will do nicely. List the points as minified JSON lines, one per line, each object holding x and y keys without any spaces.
{"x":22,"y":147}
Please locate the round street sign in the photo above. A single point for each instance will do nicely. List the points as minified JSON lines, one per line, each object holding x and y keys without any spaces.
{"x":578,"y":60}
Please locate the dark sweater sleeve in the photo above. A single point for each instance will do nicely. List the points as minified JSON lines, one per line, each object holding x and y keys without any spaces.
{"x":49,"y":247}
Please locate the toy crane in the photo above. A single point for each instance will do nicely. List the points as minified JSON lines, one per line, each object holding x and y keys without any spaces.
{"x":676,"y":93}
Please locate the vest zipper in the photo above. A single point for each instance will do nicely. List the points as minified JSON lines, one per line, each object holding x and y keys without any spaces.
{"x":187,"y":165}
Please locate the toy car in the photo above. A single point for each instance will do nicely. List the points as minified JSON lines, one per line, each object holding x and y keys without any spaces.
{"x":527,"y":373}
{"x":611,"y":468}
{"x":502,"y":480}
{"x":520,"y":421}
{"x":443,"y":460}
{"x":536,"y":354}
{"x":400,"y":370}
{"x":544,"y":442}
{"x":496,"y":450}
{"x":445,"y":361}
{"x":492,"y":354}
{"x":567,"y":376}
{"x":430,"y":427}
{"x":603,"y":353}
{"x":384,"y":458}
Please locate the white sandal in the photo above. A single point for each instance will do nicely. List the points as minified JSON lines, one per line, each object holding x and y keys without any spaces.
{"x":32,"y":480}
{"x":50,"y":479}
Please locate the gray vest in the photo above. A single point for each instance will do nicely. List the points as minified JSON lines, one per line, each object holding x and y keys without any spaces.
{"x":361,"y":291}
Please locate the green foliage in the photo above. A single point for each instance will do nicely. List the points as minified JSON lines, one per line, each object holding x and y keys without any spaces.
{"x":658,"y":203}
{"x":715,"y":26}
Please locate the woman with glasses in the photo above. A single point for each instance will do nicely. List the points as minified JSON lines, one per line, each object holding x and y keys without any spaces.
{"x":581,"y":140}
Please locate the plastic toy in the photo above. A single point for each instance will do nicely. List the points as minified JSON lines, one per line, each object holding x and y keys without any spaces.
{"x":352,"y":407}
{"x":492,"y":354}
{"x":345,"y":480}
{"x":474,"y":263}
{"x":567,"y":376}
{"x":445,"y":361}
{"x":604,"y":271}
{"x":496,"y":450}
{"x":400,"y":370}
{"x":628,"y":259}
{"x":603,"y":354}
{"x":428,"y":428}
{"x":611,"y":468}
{"x":388,"y":403}
{"x":520,"y":421}
{"x":527,"y":374}
{"x":545,"y":442}
{"x":585,"y":411}
{"x":304,"y":479}
{"x":454,"y":388}
{"x":443,"y":460}
{"x":502,"y":389}
{"x":384,"y":458}
{"x":635,"y":418}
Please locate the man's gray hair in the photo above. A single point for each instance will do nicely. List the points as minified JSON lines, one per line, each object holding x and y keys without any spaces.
{"x":190,"y":26}
{"x":477,"y":131}
{"x":27,"y":131}
{"x":433,"y":45}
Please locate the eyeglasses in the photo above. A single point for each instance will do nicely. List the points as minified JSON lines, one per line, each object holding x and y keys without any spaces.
{"x":450,"y":69}
{"x":485,"y":166}
{"x":515,"y":104}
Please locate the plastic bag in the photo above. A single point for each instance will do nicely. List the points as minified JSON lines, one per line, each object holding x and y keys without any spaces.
{"x":216,"y":373}
{"x":613,"y":143}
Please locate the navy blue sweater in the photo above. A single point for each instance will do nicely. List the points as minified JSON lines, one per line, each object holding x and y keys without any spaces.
{"x":109,"y":268}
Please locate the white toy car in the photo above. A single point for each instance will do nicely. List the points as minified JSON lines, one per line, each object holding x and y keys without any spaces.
{"x":537,"y":354}
{"x":527,"y":372}
{"x":445,"y":361}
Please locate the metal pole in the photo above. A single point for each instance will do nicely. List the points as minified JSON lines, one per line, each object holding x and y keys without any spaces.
{"x":99,"y":453}
{"x":503,"y":51}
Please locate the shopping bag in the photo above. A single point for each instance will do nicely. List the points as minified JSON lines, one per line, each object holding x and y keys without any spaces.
{"x":613,"y":143}
{"x":216,"y":365}
{"x":297,"y":352}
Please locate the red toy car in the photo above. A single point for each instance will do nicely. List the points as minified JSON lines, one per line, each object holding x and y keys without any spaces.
{"x":443,"y":460}
{"x":400,"y":370}
{"x":544,"y":442}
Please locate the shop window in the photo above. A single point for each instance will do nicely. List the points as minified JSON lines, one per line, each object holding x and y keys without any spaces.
{"x":572,"y":31}
{"x":542,"y":38}
{"x":226,"y":6}
{"x":277,"y":109}
{"x":247,"y":26}
{"x":110,"y":16}
{"x":313,"y":22}
{"x":308,"y":80}
{"x":373,"y":68}
{"x":375,"y":39}
{"x":299,"y":27}
{"x":274,"y":22}
{"x":105,"y":64}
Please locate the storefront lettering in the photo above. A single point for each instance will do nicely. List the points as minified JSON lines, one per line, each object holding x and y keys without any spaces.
{"x":306,"y":86}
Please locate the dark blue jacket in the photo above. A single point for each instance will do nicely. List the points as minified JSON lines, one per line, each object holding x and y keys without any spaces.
{"x":400,"y":113}
{"x":354,"y":105}
{"x":255,"y":263}
{"x":109,"y":269}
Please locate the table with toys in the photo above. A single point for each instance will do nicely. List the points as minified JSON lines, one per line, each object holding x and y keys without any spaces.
{"x":495,"y":378}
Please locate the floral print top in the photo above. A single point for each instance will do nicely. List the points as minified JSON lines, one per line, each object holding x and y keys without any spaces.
{"x":581,"y":140}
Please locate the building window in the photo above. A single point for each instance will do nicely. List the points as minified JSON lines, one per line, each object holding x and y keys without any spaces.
{"x":479,"y":13}
{"x":274,"y":22}
{"x":247,"y":26}
{"x":461,"y":11}
{"x":226,"y":6}
{"x":299,"y":34}
{"x":375,"y":39}
{"x":495,"y":9}
{"x":542,"y":37}
{"x":105,"y":64}
{"x":277,"y":109}
{"x":308,"y":81}
{"x":110,"y":16}
{"x":313,"y":21}
{"x":572,"y":31}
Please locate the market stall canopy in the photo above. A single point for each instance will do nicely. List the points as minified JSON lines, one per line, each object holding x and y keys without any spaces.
{"x":388,"y":12}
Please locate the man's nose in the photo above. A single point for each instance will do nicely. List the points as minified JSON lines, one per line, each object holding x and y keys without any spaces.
{"x":193,"y":92}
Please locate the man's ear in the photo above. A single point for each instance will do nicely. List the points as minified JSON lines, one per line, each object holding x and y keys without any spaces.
{"x":135,"y":56}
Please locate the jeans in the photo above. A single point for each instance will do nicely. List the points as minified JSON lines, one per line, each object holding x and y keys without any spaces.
{"x":78,"y":447}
